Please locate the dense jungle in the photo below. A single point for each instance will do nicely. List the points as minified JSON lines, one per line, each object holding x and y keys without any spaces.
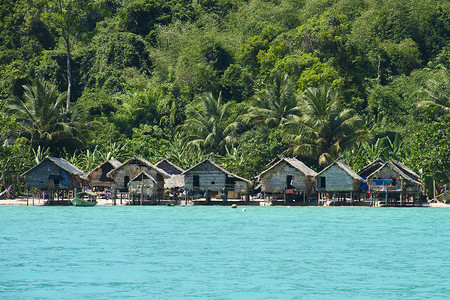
{"x":238,"y":81}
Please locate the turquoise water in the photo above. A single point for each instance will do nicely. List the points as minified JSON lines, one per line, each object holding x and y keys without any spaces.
{"x":224,"y":253}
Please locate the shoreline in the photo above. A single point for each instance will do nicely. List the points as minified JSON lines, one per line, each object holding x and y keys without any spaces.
{"x":22,"y":201}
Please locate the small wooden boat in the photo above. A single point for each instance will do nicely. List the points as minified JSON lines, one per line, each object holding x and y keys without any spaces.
{"x":84,"y":199}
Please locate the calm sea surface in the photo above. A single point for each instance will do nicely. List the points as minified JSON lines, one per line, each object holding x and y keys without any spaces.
{"x":224,"y":253}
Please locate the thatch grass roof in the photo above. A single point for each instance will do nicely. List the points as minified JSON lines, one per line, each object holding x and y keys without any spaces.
{"x":113,"y":162}
{"x":63,"y":164}
{"x":293,"y":162}
{"x":209,"y":161}
{"x":143,"y":161}
{"x":340,"y":164}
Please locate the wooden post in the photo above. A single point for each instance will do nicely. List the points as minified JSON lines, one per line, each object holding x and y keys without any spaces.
{"x":304,"y":197}
{"x":351,"y":197}
{"x":401,"y":199}
{"x":32,"y":195}
{"x":27,"y":194}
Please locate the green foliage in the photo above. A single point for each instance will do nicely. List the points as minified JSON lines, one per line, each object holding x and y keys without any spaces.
{"x":325,"y":128}
{"x":274,"y":104}
{"x":43,"y":118}
{"x":207,"y":124}
{"x":143,"y":73}
{"x":430,"y":150}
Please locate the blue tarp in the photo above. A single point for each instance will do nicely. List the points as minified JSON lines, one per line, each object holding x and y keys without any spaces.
{"x":383,"y":181}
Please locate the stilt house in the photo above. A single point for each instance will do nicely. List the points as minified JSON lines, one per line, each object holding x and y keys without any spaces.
{"x":208,"y":176}
{"x":288,"y":176}
{"x":57,"y":177}
{"x":97,"y":178}
{"x":338,"y":179}
{"x":123,"y":174}
{"x":54,"y":173}
{"x":394,"y":182}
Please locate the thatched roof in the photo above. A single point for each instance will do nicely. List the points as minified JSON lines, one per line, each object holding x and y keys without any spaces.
{"x":340,"y":164}
{"x":113,"y":162}
{"x":407,"y":170}
{"x":141,"y":176}
{"x":399,"y":171}
{"x":367,"y":170}
{"x":293,"y":162}
{"x":175,"y":181}
{"x":209,"y":161}
{"x":169,"y":167}
{"x":143,"y":161}
{"x":63,"y":164}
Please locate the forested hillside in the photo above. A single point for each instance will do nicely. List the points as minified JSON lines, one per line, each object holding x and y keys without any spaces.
{"x":234,"y":80}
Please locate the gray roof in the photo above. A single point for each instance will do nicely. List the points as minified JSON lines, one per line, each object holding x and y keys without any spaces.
{"x":141,"y":160}
{"x":114,"y":162}
{"x":406,"y":170}
{"x":343,"y":167}
{"x":396,"y":169}
{"x":63,"y":164}
{"x":219,"y":168}
{"x":162,"y":161}
{"x":375,"y":164}
{"x":148,"y":176}
{"x":293,"y":162}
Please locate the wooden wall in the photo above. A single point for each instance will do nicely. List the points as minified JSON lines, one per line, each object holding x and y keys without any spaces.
{"x":274,"y":181}
{"x":99,"y":179}
{"x":210,"y":178}
{"x":337,"y":180}
{"x":43,"y":177}
{"x":132,"y":170}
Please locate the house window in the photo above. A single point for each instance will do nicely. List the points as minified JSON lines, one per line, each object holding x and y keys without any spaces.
{"x":289,"y":182}
{"x":322,"y":183}
{"x":196,"y":181}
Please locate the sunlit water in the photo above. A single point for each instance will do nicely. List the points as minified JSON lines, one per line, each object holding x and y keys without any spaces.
{"x":224,"y":253}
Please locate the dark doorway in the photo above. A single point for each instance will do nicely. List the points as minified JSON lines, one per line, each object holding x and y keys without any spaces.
{"x":289,"y":182}
{"x":196,"y":181}
{"x":126,"y":180}
{"x":322,"y":183}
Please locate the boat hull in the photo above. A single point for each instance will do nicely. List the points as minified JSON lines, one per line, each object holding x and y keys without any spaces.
{"x":81,"y":202}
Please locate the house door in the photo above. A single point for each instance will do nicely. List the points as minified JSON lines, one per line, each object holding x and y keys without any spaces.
{"x":289,"y":182}
{"x":126,"y":180}
{"x":196,"y":179}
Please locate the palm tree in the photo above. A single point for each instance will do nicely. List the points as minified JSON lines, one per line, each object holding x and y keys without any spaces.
{"x":207,"y":126}
{"x":42,"y":115}
{"x":325,"y":129}
{"x":274,"y":104}
{"x":437,"y":92}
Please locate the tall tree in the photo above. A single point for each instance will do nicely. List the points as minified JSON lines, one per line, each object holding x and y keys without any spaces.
{"x":68,"y":17}
{"x":325,"y":128}
{"x":274,"y":104}
{"x":437,"y":92}
{"x":42,"y":116}
{"x":207,"y":125}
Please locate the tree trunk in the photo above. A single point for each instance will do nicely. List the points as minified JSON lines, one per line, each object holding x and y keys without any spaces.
{"x":69,"y":70}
